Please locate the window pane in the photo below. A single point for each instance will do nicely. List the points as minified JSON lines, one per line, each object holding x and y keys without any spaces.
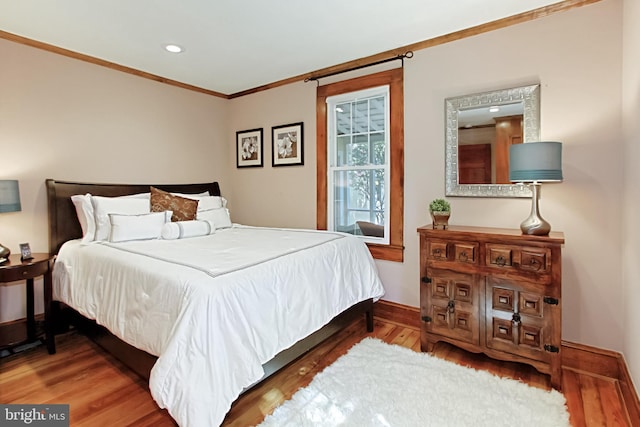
{"x":358,"y":196}
{"x":379,"y":195}
{"x":359,"y":151}
{"x":343,"y":118}
{"x":378,"y":148}
{"x":377,"y":114}
{"x":343,"y":150}
{"x":361,"y":117}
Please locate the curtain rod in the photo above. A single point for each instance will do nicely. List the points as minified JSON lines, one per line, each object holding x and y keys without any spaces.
{"x":401,"y":57}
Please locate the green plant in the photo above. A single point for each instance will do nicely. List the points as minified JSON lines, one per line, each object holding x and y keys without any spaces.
{"x":439,"y":205}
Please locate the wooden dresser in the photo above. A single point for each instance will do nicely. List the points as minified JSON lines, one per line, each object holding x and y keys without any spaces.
{"x":494,"y":291}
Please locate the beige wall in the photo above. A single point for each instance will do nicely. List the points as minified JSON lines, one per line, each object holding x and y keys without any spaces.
{"x":283,"y":196}
{"x":631,"y":227}
{"x":577,"y":60}
{"x":579,"y":72}
{"x":65,"y":119}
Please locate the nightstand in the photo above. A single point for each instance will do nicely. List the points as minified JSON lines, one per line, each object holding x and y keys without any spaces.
{"x":40,"y":265}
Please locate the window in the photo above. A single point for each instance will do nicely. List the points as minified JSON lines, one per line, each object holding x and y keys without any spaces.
{"x":360,"y":160}
{"x":358,"y":165}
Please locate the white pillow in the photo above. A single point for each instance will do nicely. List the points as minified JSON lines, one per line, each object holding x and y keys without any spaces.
{"x":210,"y":202}
{"x":206,"y":202}
{"x":192,"y":196}
{"x":86,"y":216}
{"x":137,"y":227}
{"x":84,"y":211}
{"x":219,"y":217}
{"x":103,"y":206}
{"x":184,"y":229}
{"x":135,"y":196}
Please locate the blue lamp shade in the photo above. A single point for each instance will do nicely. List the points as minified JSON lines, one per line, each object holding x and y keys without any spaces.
{"x":9,"y":196}
{"x":535,"y":161}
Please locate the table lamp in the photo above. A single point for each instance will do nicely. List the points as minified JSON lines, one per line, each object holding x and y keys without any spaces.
{"x":9,"y":202}
{"x":533,"y":163}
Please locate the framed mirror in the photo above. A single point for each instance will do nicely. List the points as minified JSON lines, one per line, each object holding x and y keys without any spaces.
{"x":480,"y":128}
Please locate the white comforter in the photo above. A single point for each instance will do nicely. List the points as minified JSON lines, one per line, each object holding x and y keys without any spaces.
{"x":215,"y":308}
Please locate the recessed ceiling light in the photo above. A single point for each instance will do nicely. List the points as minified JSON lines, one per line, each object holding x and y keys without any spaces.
{"x":174,"y":48}
{"x":494,"y":109}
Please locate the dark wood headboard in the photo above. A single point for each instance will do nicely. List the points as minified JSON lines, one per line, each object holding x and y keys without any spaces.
{"x":63,"y":221}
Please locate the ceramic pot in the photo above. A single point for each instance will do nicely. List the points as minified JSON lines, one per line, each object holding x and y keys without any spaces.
{"x":440,"y":220}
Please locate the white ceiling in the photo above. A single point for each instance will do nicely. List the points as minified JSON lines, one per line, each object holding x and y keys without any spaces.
{"x":235,"y":45}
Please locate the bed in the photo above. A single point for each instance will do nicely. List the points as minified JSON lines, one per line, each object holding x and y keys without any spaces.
{"x":192,"y":332}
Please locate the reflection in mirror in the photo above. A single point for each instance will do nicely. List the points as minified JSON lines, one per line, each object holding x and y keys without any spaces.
{"x":480,"y":129}
{"x":484,"y":137}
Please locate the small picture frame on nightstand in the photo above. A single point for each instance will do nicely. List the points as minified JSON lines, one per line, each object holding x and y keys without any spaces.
{"x":25,"y":251}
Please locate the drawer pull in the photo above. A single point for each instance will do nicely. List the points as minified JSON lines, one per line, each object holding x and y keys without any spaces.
{"x":501,"y":261}
{"x":551,"y":348}
{"x":463,"y":257}
{"x":451,"y":305}
{"x":437,"y":253}
{"x":535,"y":264}
{"x":25,"y":273}
{"x":516,"y":318}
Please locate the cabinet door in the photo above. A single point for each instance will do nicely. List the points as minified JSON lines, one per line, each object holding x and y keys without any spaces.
{"x":518,"y":320}
{"x":450,"y":301}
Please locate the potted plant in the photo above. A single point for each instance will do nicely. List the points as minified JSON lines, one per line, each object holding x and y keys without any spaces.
{"x":440,"y":211}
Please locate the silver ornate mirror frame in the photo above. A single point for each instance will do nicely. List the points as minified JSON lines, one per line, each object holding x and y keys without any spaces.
{"x":529,"y":96}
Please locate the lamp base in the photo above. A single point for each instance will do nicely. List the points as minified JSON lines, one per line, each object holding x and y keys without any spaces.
{"x":535,"y":224}
{"x":4,"y":252}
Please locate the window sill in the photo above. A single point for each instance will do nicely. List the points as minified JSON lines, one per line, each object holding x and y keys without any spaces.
{"x":386,"y":252}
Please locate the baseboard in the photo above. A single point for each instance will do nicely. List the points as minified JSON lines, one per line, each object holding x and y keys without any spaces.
{"x":594,"y":360}
{"x":607,"y":363}
{"x":581,"y":357}
{"x":628,"y":390}
{"x":397,"y":313}
{"x":14,"y":332}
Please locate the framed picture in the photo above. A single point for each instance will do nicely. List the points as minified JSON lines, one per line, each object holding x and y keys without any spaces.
{"x":288,"y":145}
{"x":249,"y":148}
{"x":25,"y":251}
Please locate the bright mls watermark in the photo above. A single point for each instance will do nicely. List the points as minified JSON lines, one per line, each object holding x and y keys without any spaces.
{"x":34,"y":415}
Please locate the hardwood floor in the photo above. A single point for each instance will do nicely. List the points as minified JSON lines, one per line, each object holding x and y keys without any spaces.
{"x":101,"y":392}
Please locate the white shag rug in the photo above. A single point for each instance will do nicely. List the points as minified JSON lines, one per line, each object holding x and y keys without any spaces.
{"x":378,"y":384}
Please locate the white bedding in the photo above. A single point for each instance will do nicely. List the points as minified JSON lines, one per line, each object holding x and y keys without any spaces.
{"x":215,"y":308}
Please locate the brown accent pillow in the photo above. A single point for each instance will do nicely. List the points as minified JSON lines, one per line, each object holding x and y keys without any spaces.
{"x":183,"y":209}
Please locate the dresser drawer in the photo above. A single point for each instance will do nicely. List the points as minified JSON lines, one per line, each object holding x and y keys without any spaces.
{"x":499,"y":256}
{"x":535,"y":260}
{"x":437,"y":250}
{"x":460,"y":252}
{"x":465,"y":252}
{"x":517,"y":258}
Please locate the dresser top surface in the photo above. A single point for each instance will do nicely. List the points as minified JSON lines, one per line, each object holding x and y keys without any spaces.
{"x":452,"y":230}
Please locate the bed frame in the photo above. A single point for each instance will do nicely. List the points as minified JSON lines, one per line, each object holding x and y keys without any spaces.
{"x":64,"y":226}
